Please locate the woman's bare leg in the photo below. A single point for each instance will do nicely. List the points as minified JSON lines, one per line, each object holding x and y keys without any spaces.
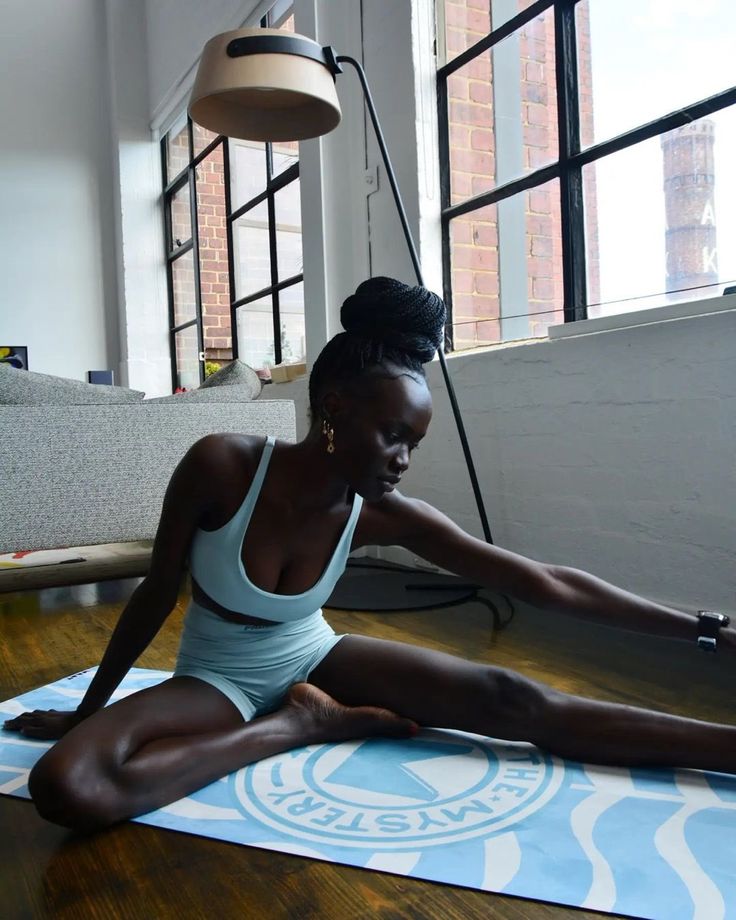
{"x":165,"y":742}
{"x":433,"y":688}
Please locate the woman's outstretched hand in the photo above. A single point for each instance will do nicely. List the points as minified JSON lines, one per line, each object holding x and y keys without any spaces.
{"x":43,"y":724}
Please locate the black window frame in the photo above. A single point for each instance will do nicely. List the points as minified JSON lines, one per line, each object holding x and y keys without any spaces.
{"x":187,"y":176}
{"x":568,"y":168}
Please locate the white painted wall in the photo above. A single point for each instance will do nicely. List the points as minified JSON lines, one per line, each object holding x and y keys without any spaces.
{"x":177,"y":31}
{"x":351,"y":229}
{"x":141,"y":294}
{"x":57,"y":244}
{"x":335,"y":224}
{"x":611,"y":452}
{"x":401,"y":88}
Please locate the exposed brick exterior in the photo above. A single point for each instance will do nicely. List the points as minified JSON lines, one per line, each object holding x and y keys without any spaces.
{"x":689,"y":193}
{"x":474,"y":237}
{"x":214,"y":278}
{"x":212,"y":233}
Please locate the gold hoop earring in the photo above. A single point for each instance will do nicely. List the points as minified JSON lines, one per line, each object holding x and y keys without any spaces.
{"x":328,"y":430}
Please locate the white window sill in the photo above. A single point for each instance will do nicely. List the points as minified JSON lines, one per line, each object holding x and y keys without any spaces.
{"x":674,"y":311}
{"x":671,"y":311}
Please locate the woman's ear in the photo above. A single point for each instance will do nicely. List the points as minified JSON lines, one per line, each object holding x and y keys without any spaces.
{"x":333,"y":405}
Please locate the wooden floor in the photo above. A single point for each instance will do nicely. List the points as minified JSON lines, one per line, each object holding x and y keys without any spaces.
{"x":134,"y":871}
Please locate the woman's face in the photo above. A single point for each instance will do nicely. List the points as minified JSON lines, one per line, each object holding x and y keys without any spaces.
{"x":376,"y":431}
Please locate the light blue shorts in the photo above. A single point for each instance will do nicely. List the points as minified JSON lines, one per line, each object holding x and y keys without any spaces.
{"x":254,"y":666}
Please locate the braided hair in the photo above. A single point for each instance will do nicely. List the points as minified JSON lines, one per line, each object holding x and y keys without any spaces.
{"x":390,"y":328}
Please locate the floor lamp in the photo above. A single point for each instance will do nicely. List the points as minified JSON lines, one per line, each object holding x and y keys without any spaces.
{"x":269,"y":85}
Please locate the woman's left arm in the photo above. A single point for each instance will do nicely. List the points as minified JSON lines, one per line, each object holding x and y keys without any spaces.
{"x":430,"y":534}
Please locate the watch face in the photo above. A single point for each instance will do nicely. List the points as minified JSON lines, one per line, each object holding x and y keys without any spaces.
{"x":709,"y":623}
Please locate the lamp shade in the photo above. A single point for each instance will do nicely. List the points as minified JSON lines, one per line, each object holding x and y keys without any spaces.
{"x":264,"y":85}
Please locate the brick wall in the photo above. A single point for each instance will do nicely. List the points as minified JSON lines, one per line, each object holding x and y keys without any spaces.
{"x":474,"y":236}
{"x":689,"y":196}
{"x":213,"y":268}
{"x":212,"y":232}
{"x":183,"y":288}
{"x":476,"y":282}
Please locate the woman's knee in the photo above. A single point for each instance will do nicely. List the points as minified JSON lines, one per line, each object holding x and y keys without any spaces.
{"x":519,"y":705}
{"x":70,"y":792}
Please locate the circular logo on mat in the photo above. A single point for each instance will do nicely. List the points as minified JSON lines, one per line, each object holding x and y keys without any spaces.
{"x":380,"y":794}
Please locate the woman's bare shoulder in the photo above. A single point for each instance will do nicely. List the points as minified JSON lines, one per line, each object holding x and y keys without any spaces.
{"x":217,"y":470}
{"x":214,"y":453}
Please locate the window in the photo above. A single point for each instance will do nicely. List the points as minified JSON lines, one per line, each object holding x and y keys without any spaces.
{"x":233,"y":248}
{"x":586,"y":150}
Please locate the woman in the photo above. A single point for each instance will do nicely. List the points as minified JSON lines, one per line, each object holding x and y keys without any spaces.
{"x":254,"y":634}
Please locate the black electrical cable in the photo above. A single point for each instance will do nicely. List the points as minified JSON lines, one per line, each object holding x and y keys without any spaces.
{"x":499,"y":622}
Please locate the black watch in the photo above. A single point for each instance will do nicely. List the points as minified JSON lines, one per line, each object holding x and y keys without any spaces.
{"x":709,"y":622}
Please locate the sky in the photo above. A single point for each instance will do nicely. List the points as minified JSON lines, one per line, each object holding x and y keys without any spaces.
{"x":651,"y":57}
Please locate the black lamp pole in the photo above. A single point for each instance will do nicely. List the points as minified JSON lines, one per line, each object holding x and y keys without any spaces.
{"x":344,"y":59}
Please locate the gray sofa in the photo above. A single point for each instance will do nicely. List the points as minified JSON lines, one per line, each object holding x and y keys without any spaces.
{"x":92,"y":476}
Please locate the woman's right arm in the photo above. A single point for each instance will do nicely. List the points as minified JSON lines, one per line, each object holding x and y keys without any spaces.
{"x":140,"y":621}
{"x":188,"y":497}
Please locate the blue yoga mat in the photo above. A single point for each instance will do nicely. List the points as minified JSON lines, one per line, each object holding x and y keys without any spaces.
{"x":460,"y":809}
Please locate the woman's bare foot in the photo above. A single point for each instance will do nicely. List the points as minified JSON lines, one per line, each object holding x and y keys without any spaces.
{"x":324,"y":719}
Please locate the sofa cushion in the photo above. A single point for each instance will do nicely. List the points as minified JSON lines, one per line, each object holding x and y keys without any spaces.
{"x":236,"y":373}
{"x":78,"y":475}
{"x":28,"y":388}
{"x":222,"y":394}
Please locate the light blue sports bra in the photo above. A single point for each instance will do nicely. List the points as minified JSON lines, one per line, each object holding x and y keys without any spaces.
{"x":216,"y":563}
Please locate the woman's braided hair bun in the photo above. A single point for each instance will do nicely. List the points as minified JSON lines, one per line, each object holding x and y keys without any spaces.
{"x":396,"y":315}
{"x":388,"y":325}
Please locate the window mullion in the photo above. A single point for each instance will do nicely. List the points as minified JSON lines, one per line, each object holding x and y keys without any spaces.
{"x":192,"y":173}
{"x":269,"y":164}
{"x":230,"y":247}
{"x":443,"y":125}
{"x":571,"y":177}
{"x":167,"y":196}
{"x":495,"y":36}
{"x":195,"y":260}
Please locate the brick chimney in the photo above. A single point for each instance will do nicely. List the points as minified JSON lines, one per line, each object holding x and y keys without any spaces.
{"x":689,"y":195}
